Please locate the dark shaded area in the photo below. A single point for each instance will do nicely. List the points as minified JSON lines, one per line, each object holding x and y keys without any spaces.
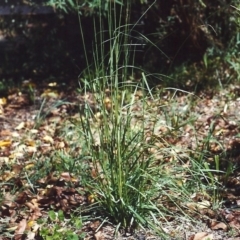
{"x":184,"y":29}
{"x":41,"y":44}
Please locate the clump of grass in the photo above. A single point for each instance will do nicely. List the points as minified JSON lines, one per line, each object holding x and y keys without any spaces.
{"x":124,"y":178}
{"x":120,"y":170}
{"x":128,"y":178}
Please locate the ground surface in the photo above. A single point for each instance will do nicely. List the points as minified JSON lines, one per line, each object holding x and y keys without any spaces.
{"x":31,"y":129}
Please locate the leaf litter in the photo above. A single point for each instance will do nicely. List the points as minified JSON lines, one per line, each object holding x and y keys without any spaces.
{"x":32,"y":184}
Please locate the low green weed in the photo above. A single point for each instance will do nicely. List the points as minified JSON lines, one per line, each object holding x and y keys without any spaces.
{"x":58,"y":227}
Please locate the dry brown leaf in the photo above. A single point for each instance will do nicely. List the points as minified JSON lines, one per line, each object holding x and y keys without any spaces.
{"x":94,"y":225}
{"x":108,"y":103}
{"x":203,"y":236}
{"x":235,"y":224}
{"x":16,"y":155}
{"x":60,"y":145}
{"x":99,"y":235}
{"x":7,"y":176}
{"x":20,"y":229}
{"x":55,"y":119}
{"x":3,"y":101}
{"x":20,"y":126}
{"x":219,"y":226}
{"x":48,"y":93}
{"x":15,"y":134}
{"x":35,"y":210}
{"x":238,"y":202}
{"x":30,"y":224}
{"x":35,"y":227}
{"x":65,"y":176}
{"x":52,"y":84}
{"x":31,"y":236}
{"x":22,"y":197}
{"x":48,"y":139}
{"x":5,"y":143}
{"x":199,"y":205}
{"x":34,"y":131}
{"x":4,"y":160}
{"x":30,"y":142}
{"x":31,"y":149}
{"x":91,"y":198}
{"x":30,"y":205}
{"x":16,"y":168}
{"x":229,"y":217}
{"x":5,"y":133}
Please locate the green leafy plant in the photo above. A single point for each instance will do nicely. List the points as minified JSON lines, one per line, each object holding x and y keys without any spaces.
{"x":59,"y":227}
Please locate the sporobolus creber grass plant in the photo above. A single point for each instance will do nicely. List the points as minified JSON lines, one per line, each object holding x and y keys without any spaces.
{"x":121,"y":173}
{"x":128,"y":186}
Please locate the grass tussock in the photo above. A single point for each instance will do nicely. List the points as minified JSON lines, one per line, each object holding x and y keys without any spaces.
{"x":135,"y":177}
